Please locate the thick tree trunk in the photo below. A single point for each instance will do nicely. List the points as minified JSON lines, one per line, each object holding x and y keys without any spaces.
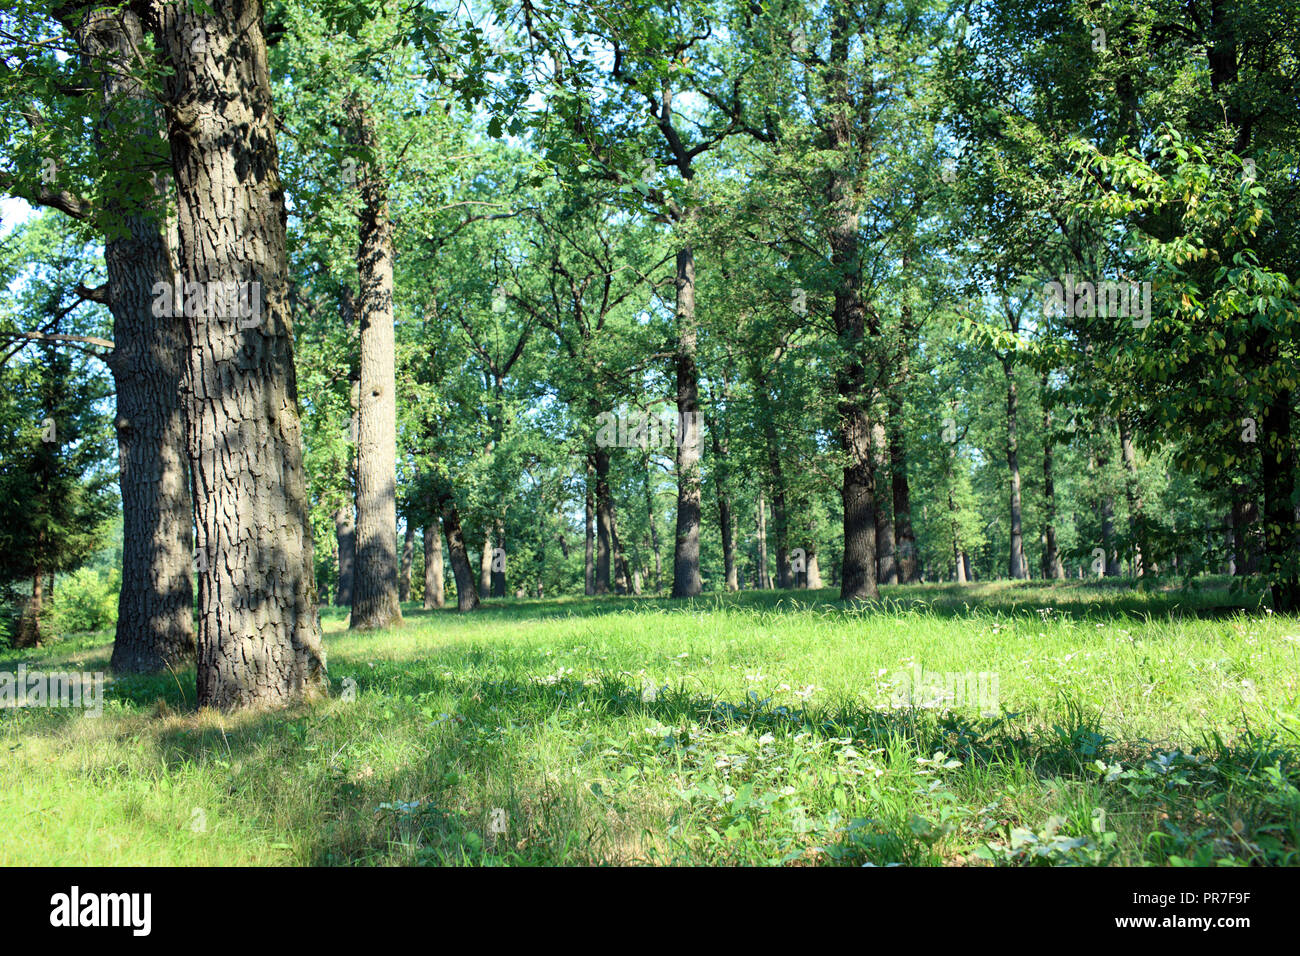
{"x":686,"y":546}
{"x":345,"y":534}
{"x":155,"y":626}
{"x":408,"y":561}
{"x":1017,"y":569}
{"x":433,"y":588}
{"x":375,"y":584}
{"x":764,"y":581}
{"x":853,"y":394}
{"x":259,"y":634}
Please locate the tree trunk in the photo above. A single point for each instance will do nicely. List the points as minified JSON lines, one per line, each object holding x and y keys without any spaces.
{"x":764,"y":581}
{"x":259,"y":634}
{"x":726,"y":523}
{"x":485,"y":564}
{"x":604,"y":523}
{"x":776,"y":475}
{"x":589,"y":563}
{"x":653,"y":524}
{"x":1017,"y":569}
{"x":1051,"y":566}
{"x":433,"y":589}
{"x":345,"y":520}
{"x":28,"y":631}
{"x":904,"y":535}
{"x":498,"y":568}
{"x":155,"y":624}
{"x":686,"y":546}
{"x":813,"y":579}
{"x":622,"y":577}
{"x":466,"y":595}
{"x":345,"y":533}
{"x":408,"y":560}
{"x":853,"y":396}
{"x":1245,"y":519}
{"x":1132,"y":493}
{"x":1108,"y":537}
{"x":886,"y":560}
{"x":1281,"y":533}
{"x":375,"y":584}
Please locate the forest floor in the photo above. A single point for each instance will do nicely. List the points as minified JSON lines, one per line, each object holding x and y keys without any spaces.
{"x":1123,"y":727}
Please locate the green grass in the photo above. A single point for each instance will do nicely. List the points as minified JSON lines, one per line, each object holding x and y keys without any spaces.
{"x":1133,"y":727}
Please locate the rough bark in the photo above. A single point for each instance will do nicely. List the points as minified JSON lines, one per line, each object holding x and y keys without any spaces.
{"x":375,"y":578}
{"x":686,"y":546}
{"x":258,"y":633}
{"x":853,"y":397}
{"x":155,"y":627}
{"x":433,"y":587}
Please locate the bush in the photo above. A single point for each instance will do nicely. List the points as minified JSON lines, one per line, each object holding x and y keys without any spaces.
{"x":85,"y":600}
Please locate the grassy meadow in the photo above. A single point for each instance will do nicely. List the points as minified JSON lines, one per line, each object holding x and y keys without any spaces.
{"x":1129,"y":727}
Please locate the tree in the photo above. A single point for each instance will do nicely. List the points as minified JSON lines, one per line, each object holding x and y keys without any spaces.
{"x":259,"y":633}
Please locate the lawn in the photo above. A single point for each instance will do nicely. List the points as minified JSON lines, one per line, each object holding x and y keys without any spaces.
{"x":1111,"y":726}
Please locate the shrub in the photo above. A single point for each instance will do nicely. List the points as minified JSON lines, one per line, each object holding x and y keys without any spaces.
{"x":85,"y":600}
